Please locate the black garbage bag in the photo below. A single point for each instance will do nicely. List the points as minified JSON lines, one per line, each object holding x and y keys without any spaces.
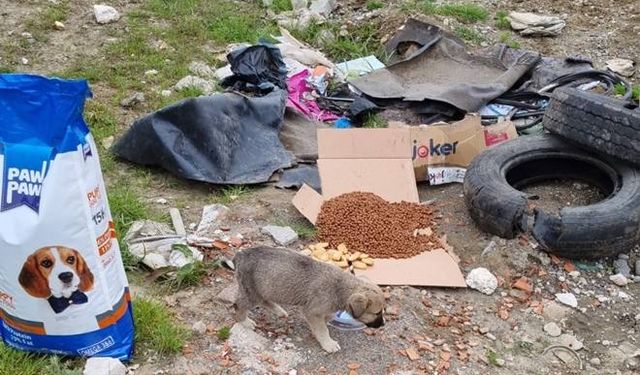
{"x":222,"y":139}
{"x":258,"y":68}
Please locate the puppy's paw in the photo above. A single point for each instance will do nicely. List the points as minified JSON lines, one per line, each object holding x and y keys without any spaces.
{"x":248,"y":324}
{"x":330,"y":346}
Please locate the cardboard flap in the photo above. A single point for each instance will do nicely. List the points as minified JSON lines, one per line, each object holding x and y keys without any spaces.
{"x":390,"y":179}
{"x":431,"y":268}
{"x":308,"y":202}
{"x":363,"y":144}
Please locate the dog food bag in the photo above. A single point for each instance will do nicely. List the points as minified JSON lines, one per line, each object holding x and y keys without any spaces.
{"x":63,"y":288}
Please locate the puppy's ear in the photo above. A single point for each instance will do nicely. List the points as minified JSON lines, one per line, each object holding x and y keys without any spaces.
{"x":86,"y":277}
{"x":32,"y":280}
{"x":357,"y":304}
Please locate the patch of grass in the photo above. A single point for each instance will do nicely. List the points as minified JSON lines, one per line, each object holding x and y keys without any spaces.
{"x":126,"y":207}
{"x":155,"y":328}
{"x":374,"y":120}
{"x":374,"y":4}
{"x":305,"y":231}
{"x":190,"y":92}
{"x":502,"y":22}
{"x":619,"y":89}
{"x":507,"y":38}
{"x":224,"y":333}
{"x":45,"y":20}
{"x":492,"y":357}
{"x":21,"y":363}
{"x":360,"y":41}
{"x":469,"y":34}
{"x":230,"y":194}
{"x":101,"y":120}
{"x":279,"y":6}
{"x":463,"y":12}
{"x":523,"y":347}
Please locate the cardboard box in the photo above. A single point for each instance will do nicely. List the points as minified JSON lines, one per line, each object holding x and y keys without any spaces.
{"x":441,"y":152}
{"x":377,"y":161}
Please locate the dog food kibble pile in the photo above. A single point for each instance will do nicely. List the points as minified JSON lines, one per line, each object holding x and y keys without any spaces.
{"x":371,"y":225}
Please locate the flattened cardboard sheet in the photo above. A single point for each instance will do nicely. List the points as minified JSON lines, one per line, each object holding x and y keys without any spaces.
{"x":308,"y":202}
{"x":431,"y":268}
{"x":390,"y":179}
{"x":363,"y":144}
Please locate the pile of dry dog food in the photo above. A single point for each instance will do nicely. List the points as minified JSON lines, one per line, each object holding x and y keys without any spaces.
{"x":371,"y":225}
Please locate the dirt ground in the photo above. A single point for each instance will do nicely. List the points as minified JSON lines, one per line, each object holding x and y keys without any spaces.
{"x":452,"y":331}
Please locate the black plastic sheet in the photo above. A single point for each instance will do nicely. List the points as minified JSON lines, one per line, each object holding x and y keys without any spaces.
{"x":222,"y":139}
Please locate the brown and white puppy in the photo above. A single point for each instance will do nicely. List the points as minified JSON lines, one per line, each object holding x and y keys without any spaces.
{"x":56,"y":272}
{"x":271,"y":277}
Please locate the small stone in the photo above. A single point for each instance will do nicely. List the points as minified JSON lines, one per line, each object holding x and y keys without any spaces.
{"x":623,"y":256}
{"x":622,"y":266}
{"x":623,"y":67}
{"x":323,"y":7}
{"x":161,"y":201}
{"x":483,"y":330}
{"x":165,"y":93}
{"x":201,"y":69}
{"x":199,"y":327}
{"x":606,"y":342}
{"x":58,"y":25}
{"x":595,"y":361}
{"x":439,"y":342}
{"x":151,"y":72}
{"x":104,"y":366}
{"x":105,"y":14}
{"x":195,"y":82}
{"x":624,"y":296}
{"x":637,"y":267}
{"x":281,"y":235}
{"x":24,"y":61}
{"x":500,"y":362}
{"x":482,"y":280}
{"x":135,"y":99}
{"x":619,"y":279}
{"x":567,"y":298}
{"x":490,"y":248}
{"x":574,"y":274}
{"x":490,"y":336}
{"x":108,"y":142}
{"x":571,"y":341}
{"x":552,"y":329}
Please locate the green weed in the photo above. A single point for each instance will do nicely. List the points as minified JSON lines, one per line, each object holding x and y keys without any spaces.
{"x":191,"y":92}
{"x":620,"y":89}
{"x":492,"y":357}
{"x":155,"y":328}
{"x":280,"y":6}
{"x":463,"y":12}
{"x":230,"y":194}
{"x":469,"y":34}
{"x":126,"y":207}
{"x":506,"y":38}
{"x":502,"y":22}
{"x":374,"y":120}
{"x":45,"y":20}
{"x":358,"y":42}
{"x":374,"y":4}
{"x":22,"y":363}
{"x":224,"y":333}
{"x":100,"y":119}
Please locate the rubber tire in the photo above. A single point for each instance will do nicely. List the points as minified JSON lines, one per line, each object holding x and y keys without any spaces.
{"x":596,"y":122}
{"x":606,"y":228}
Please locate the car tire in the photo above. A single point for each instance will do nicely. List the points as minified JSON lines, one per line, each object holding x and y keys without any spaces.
{"x":595,"y":122}
{"x":605,"y":228}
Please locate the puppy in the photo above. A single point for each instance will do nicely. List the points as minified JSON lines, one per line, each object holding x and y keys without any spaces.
{"x":58,"y":274}
{"x":270,"y":277}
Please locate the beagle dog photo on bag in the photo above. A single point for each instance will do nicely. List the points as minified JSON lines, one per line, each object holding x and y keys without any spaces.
{"x":59,"y":275}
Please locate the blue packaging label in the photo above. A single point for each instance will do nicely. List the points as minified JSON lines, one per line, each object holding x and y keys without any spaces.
{"x":25,"y":168}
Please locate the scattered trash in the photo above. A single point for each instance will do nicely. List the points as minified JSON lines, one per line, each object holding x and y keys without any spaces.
{"x":104,"y":366}
{"x":530,"y":24}
{"x":568,"y":299}
{"x":360,"y":66}
{"x":283,"y":236}
{"x":212,"y":216}
{"x":624,"y":67}
{"x":301,"y":98}
{"x":257,"y":68}
{"x":482,"y":280}
{"x":105,"y":14}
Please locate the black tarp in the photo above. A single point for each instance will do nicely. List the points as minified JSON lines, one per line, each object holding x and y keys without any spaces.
{"x":222,"y":139}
